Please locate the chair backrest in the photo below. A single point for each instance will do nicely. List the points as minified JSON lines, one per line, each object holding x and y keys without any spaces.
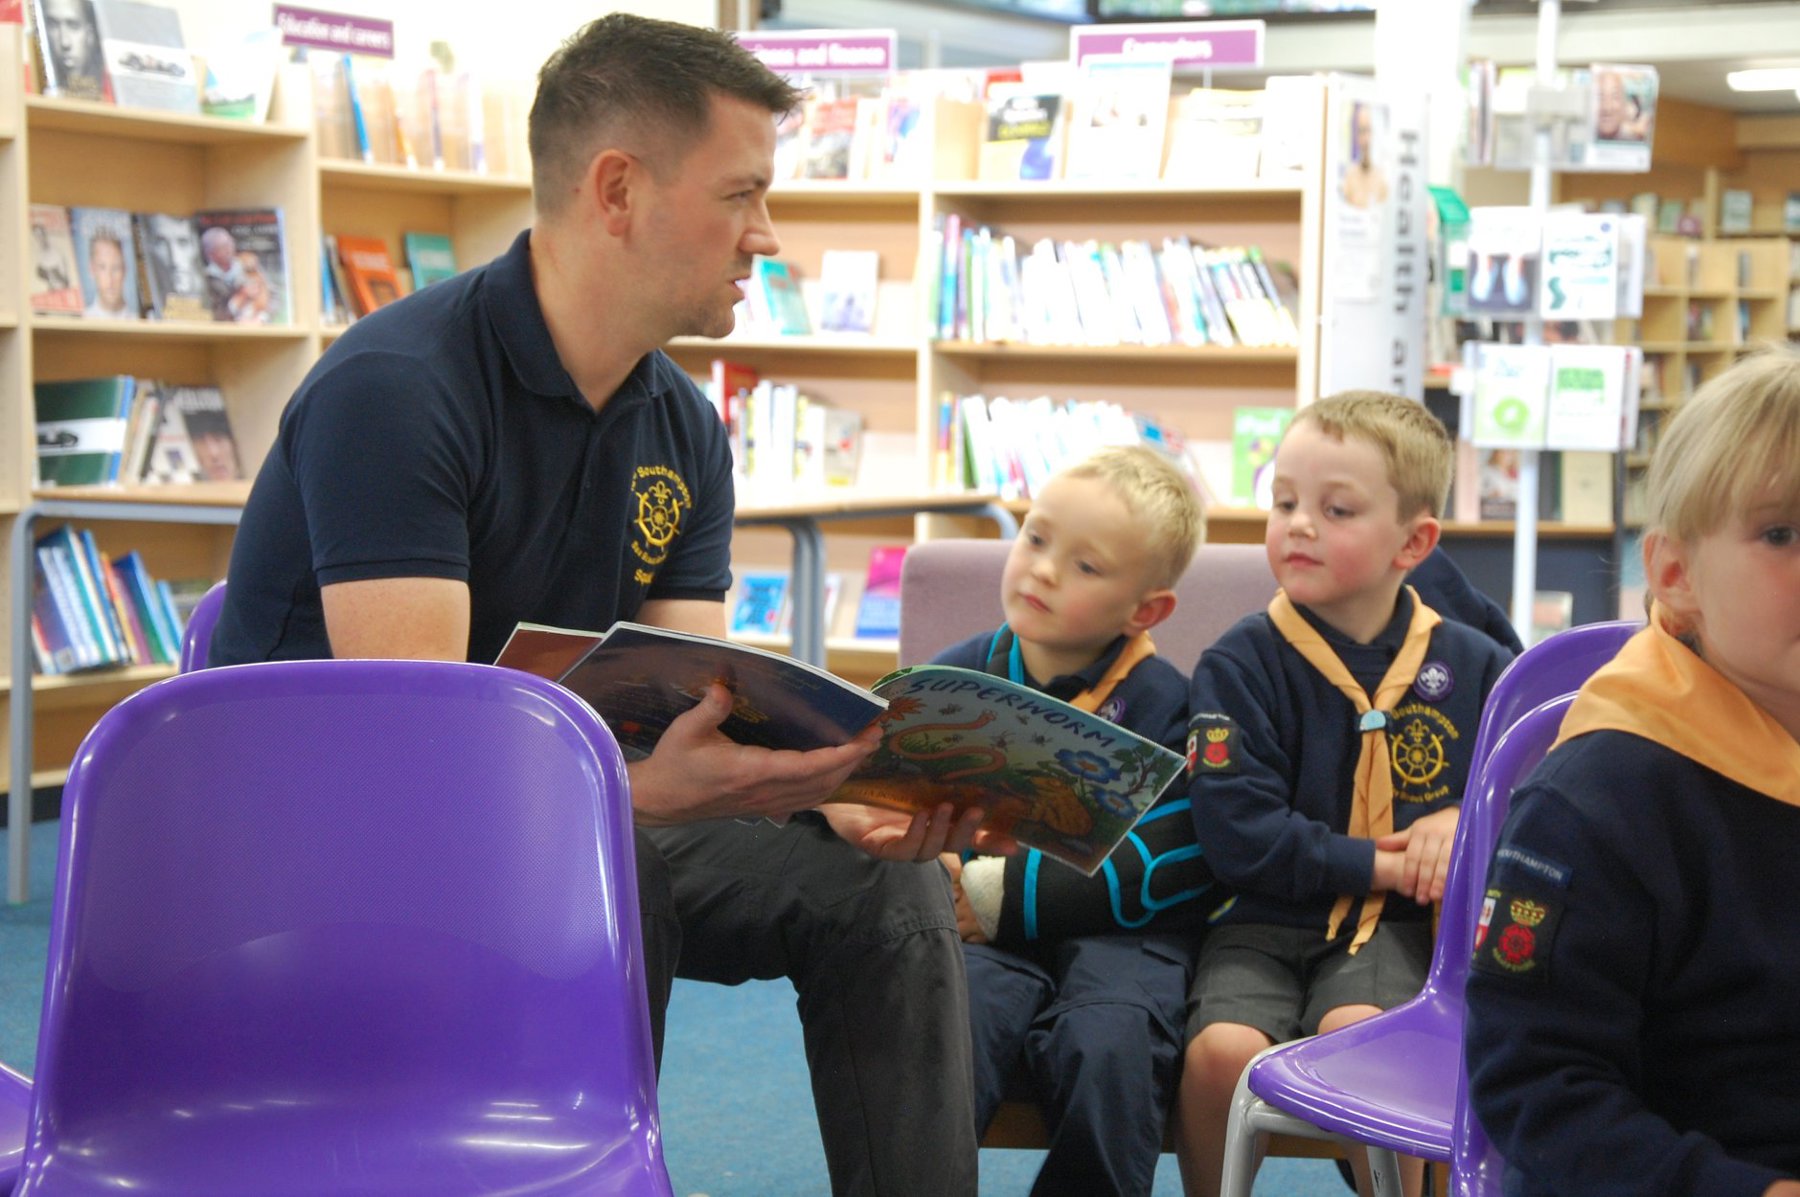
{"x":1552,"y":668}
{"x":1557,"y":665}
{"x":1474,"y":1168}
{"x":950,"y":590}
{"x":196,"y":638}
{"x":375,"y":921}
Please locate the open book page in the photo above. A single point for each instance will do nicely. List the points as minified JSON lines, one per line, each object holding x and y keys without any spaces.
{"x":641,"y":678}
{"x":1066,"y":782}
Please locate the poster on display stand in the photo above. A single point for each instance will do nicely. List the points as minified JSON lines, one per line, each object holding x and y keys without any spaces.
{"x":1373,"y":286}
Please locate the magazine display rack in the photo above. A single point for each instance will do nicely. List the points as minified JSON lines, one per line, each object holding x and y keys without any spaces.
{"x":72,"y":152}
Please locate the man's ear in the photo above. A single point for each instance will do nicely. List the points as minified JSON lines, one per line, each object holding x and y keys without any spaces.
{"x":1421,"y":537}
{"x":616,"y":179}
{"x":1151,"y":610}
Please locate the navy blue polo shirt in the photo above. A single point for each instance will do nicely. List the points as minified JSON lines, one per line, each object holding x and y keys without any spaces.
{"x":441,"y":437}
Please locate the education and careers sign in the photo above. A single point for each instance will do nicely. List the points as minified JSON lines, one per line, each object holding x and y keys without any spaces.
{"x":825,"y":51}
{"x":346,"y":33}
{"x":1190,"y":45}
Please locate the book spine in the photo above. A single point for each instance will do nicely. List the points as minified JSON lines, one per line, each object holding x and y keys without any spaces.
{"x":54,"y":563}
{"x":131,"y":567}
{"x":111,"y":632}
{"x":364,"y":149}
{"x":56,"y":651}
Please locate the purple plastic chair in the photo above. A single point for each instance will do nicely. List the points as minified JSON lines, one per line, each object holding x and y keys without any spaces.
{"x":15,"y":1104}
{"x":196,"y":638}
{"x":1475,"y":1167}
{"x":1389,"y":1082}
{"x":348,"y":927}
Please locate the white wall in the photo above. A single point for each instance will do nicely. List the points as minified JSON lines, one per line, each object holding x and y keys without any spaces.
{"x":484,"y":38}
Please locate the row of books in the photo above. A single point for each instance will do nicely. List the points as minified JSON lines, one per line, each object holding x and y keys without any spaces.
{"x":761,"y":600}
{"x":1011,"y":447}
{"x":775,"y":301}
{"x":1552,"y":396}
{"x":983,"y":285}
{"x":1560,"y":265}
{"x":132,"y":431}
{"x":781,"y":438}
{"x":109,"y":264}
{"x":92,"y":611}
{"x":1116,"y":118}
{"x":426,"y":118}
{"x":358,"y":274}
{"x":132,"y":53}
{"x":1573,"y":487}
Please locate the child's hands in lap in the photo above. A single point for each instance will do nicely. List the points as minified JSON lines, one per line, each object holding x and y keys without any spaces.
{"x":1425,"y":863}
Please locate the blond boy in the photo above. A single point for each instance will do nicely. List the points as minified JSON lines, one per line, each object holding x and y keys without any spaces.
{"x":1077,"y":983}
{"x":1329,"y":740}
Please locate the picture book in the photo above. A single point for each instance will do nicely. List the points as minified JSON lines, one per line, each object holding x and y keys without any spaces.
{"x":1121,"y":110}
{"x":641,"y":678}
{"x":1058,"y":779}
{"x":171,"y":267}
{"x":761,"y":601}
{"x":829,"y":130}
{"x":55,"y":281}
{"x":172,"y":457}
{"x":207,"y":423}
{"x":1587,"y":397}
{"x":1582,"y":259}
{"x":333,"y":265}
{"x":1509,"y":402}
{"x":240,"y":75}
{"x":430,"y":256}
{"x":245,"y":251}
{"x":140,"y":430}
{"x":148,"y":62}
{"x":775,"y":299}
{"x":1022,"y":138}
{"x":1736,"y":205}
{"x":1069,"y":783}
{"x":106,"y":259}
{"x":369,"y":272}
{"x":81,"y":429}
{"x":848,"y":279}
{"x":68,"y":55}
{"x":1255,"y":432}
{"x":1623,"y":128}
{"x":1216,"y":134}
{"x":1505,"y":244}
{"x":878,"y":612}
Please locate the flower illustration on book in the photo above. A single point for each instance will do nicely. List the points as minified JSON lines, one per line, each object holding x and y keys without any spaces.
{"x":1087,"y":765}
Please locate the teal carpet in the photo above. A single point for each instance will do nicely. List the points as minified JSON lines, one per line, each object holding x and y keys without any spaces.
{"x":737,"y":1110}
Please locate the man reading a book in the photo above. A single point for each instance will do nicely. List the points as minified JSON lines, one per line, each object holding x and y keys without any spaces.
{"x":511,"y":445}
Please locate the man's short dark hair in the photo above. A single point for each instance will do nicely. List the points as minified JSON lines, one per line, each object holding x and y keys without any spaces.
{"x":630,"y":75}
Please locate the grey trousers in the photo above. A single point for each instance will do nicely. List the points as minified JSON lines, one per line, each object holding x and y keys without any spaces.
{"x":872,"y":950}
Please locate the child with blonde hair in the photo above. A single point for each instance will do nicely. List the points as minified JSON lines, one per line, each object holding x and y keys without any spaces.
{"x":1077,"y":982}
{"x":1329,"y":741}
{"x":1632,"y":1023}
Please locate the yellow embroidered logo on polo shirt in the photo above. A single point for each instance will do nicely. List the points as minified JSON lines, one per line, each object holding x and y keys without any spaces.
{"x":662,"y":503}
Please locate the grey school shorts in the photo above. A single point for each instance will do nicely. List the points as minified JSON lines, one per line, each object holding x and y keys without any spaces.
{"x":1283,"y":980}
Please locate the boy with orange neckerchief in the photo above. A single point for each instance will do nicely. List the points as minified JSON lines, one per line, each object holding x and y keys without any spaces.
{"x":1329,"y":742}
{"x":1632,"y":1024}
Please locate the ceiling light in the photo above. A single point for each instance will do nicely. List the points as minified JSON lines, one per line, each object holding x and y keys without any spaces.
{"x":1764,"y":79}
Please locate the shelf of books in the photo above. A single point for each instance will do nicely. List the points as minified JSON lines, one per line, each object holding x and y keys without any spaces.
{"x":1705,"y":302}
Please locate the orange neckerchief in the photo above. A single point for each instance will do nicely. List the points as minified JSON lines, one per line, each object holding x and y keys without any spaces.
{"x":1372,"y":808}
{"x":1660,"y":689}
{"x":1136,"y":650}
